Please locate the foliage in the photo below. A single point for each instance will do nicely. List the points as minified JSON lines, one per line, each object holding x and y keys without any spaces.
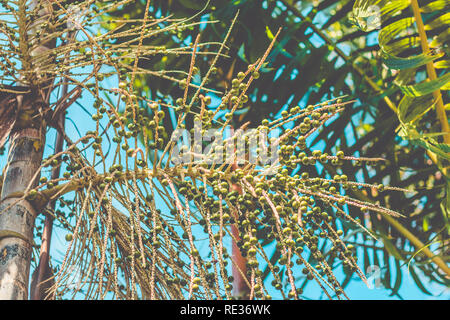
{"x":310,"y":63}
{"x":399,"y":38}
{"x":405,"y":49}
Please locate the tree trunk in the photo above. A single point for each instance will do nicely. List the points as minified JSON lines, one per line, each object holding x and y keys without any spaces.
{"x":241,"y":289}
{"x":17,"y":216}
{"x":41,"y":279}
{"x":27,"y":141}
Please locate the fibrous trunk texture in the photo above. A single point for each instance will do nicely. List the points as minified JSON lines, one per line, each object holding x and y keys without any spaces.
{"x":27,"y":140}
{"x":17,"y":215}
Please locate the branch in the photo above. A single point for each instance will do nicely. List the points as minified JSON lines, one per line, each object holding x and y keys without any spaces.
{"x":431,"y":71}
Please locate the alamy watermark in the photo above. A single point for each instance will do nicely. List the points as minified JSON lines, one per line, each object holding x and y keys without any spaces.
{"x":373,"y":274}
{"x":226,"y":145}
{"x":367,"y":18}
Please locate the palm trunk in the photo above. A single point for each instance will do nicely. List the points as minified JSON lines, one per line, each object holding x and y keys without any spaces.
{"x":41,"y":279}
{"x":18,"y":216}
{"x":241,"y":289}
{"x":27,"y":140}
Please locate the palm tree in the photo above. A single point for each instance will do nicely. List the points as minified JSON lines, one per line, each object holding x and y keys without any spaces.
{"x":139,"y":223}
{"x":26,"y":111}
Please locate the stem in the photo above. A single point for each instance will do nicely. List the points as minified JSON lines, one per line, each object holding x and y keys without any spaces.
{"x":43,"y":272}
{"x":41,"y":278}
{"x":239,"y":269}
{"x":431,"y":71}
{"x":417,"y":243}
{"x":240,"y":287}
